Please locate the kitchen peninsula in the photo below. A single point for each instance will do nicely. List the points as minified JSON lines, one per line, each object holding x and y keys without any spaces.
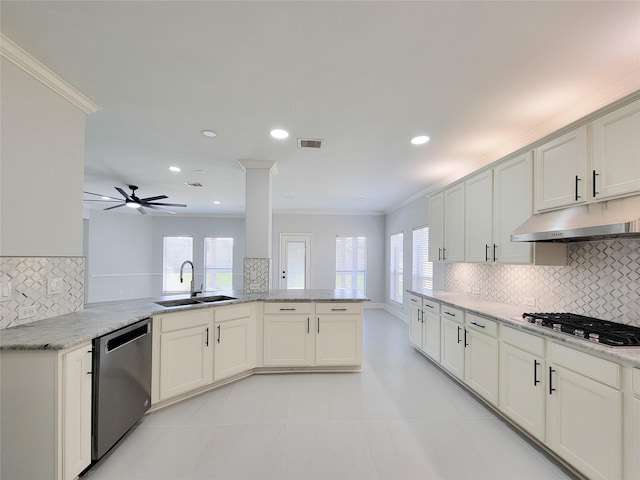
{"x":194,"y":348}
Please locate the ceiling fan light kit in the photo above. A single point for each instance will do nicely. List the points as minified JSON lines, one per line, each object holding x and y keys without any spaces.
{"x":133,"y":201}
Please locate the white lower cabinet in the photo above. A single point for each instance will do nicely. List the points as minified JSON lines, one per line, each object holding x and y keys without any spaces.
{"x":634,"y":448}
{"x":289,"y":334}
{"x":76,"y":411}
{"x":584,"y":412}
{"x":424,"y":325}
{"x":522,"y":380}
{"x":481,"y":356}
{"x":415,"y":321}
{"x":452,"y":340}
{"x":45,"y":416}
{"x":339,"y":331}
{"x":235,"y":343}
{"x":308,"y":334}
{"x":185,"y":351}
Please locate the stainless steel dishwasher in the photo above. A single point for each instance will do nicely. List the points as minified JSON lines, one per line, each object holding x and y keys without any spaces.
{"x":121,"y":384}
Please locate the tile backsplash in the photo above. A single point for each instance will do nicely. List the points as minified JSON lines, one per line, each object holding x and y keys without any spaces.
{"x":28,"y":277}
{"x":256,"y":274}
{"x":601,"y":279}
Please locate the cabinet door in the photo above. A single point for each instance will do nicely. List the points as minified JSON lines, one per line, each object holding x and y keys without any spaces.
{"x":560,"y":172}
{"x":512,"y":206}
{"x":481,"y":365}
{"x":186,"y":360}
{"x":616,"y":153}
{"x":76,"y":412}
{"x":635,"y":446}
{"x":431,"y":335}
{"x":234,"y":349}
{"x":452,"y":347}
{"x":415,"y":322}
{"x":522,"y":389}
{"x":339,"y":340}
{"x":289,"y":340}
{"x":436,"y":227}
{"x":584,"y":423}
{"x":478,"y":239}
{"x":454,"y":224}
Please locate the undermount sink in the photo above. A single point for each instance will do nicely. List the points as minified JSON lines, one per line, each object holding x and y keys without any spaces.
{"x":194,"y":301}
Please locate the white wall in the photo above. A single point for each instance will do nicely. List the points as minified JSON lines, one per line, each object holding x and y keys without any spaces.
{"x":324,"y":229}
{"x":119,"y":260}
{"x":406,"y":219}
{"x":42,"y":168}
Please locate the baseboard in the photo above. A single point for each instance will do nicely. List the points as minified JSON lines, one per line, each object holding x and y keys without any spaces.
{"x":373,"y":305}
{"x":396,"y":313}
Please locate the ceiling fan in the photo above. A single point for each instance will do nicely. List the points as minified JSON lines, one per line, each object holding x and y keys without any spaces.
{"x":133,"y":201}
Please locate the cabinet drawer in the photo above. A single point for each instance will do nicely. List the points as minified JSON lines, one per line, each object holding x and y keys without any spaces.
{"x":233,"y":312}
{"x":287,"y":307}
{"x":452,"y":313}
{"x":415,"y":300}
{"x":481,"y":324}
{"x":596,"y":368}
{"x":523,"y":341}
{"x":636,"y":381}
{"x":339,"y":307}
{"x":431,"y":306}
{"x":182,"y":320}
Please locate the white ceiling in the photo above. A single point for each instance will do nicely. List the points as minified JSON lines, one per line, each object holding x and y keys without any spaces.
{"x":480,"y":78}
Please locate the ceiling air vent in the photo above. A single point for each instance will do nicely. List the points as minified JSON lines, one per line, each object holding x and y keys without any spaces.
{"x":310,"y":143}
{"x":193,"y":184}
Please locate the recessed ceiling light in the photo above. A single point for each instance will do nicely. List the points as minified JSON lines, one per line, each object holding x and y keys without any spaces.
{"x":279,"y":133}
{"x":361,"y":199}
{"x":208,"y":133}
{"x":174,"y":169}
{"x":420,"y":140}
{"x":216,"y":202}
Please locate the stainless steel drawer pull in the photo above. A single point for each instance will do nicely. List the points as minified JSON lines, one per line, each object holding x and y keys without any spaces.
{"x":450,"y":314}
{"x":338,"y":309}
{"x":430,"y":306}
{"x":287,"y":309}
{"x":477,"y":325}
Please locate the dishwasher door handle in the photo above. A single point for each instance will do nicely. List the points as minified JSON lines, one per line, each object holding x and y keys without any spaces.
{"x":121,"y":339}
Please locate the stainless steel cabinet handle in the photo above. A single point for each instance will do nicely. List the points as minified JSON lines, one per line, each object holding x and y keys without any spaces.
{"x":577,"y":180}
{"x":308,"y":331}
{"x":459,"y":328}
{"x":551,"y":389}
{"x":439,"y":254}
{"x":287,"y":309}
{"x":466,"y":344}
{"x":430,"y":306}
{"x":535,"y":372}
{"x":477,"y":325}
{"x":495,"y":257}
{"x":486,"y":252}
{"x":318,"y":324}
{"x":450,"y":314}
{"x":595,"y":192}
{"x":443,"y":256}
{"x":206,"y":342}
{"x":218,"y":333}
{"x":338,"y":309}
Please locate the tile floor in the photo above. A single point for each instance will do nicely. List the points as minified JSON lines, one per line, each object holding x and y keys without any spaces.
{"x":401,"y":418}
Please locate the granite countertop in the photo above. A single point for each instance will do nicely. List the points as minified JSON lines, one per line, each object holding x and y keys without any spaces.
{"x":97,"y":319}
{"x":511,"y":315}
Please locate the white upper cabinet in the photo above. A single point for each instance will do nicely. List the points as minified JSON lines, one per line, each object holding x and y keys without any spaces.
{"x":454,"y":224}
{"x":478,"y":243}
{"x":513,"y":199}
{"x":436,"y":226}
{"x":615,"y":144}
{"x":560,"y":174}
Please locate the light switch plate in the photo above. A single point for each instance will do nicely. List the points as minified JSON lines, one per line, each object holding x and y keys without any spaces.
{"x":27,"y":312}
{"x":5,"y":291}
{"x":54,"y":286}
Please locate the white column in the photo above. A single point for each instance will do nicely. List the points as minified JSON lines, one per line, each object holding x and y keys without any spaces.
{"x":258,"y":220}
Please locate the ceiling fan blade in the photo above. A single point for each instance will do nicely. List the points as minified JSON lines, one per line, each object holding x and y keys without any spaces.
{"x":123,"y":193}
{"x":141,"y":210}
{"x":115,"y":206}
{"x":161,"y":209}
{"x":166,"y":204}
{"x":151,"y":199}
{"x":103,"y":196}
{"x":106,"y":201}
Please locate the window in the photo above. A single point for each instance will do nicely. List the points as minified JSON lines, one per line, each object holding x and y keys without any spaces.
{"x":176,"y":250}
{"x":422,"y":267}
{"x":351,"y":263}
{"x":396,"y":254}
{"x":218,"y":263}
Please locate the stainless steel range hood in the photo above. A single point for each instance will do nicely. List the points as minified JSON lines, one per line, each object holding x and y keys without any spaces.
{"x":609,"y":219}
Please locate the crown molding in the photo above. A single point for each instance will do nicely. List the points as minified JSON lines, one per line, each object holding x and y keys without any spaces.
{"x":259,"y":164}
{"x":23,"y":60}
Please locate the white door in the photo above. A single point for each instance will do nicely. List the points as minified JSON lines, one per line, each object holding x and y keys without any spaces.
{"x":295,"y":262}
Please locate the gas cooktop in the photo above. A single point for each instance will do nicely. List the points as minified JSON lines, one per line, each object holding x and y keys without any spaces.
{"x":592,"y":329}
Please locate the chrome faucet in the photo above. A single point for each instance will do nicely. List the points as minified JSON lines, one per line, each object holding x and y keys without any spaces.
{"x":193,"y":275}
